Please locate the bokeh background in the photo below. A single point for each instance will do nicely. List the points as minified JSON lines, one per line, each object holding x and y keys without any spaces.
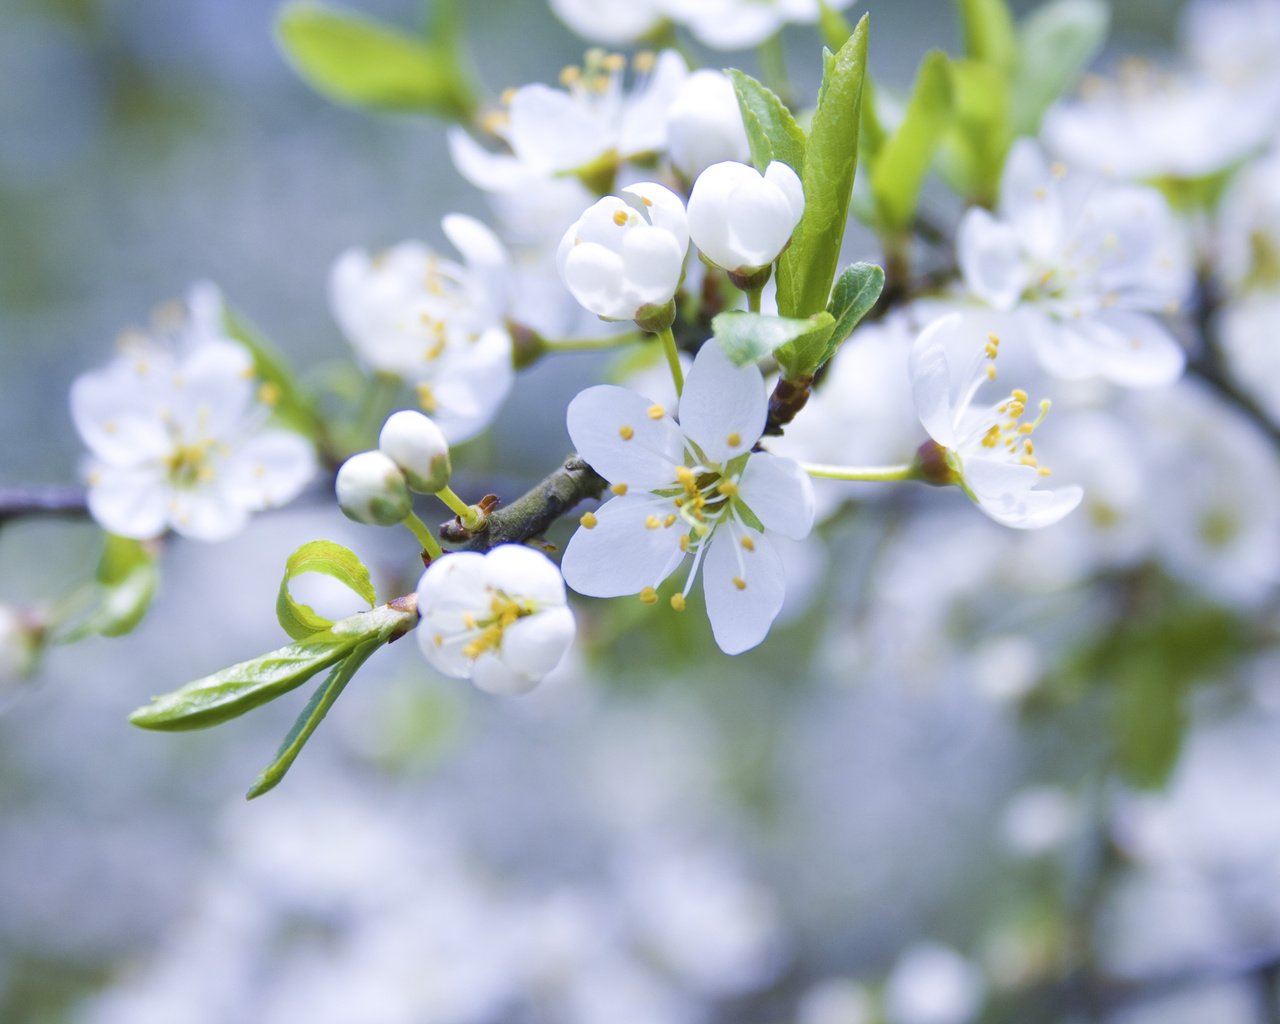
{"x":659,"y":834}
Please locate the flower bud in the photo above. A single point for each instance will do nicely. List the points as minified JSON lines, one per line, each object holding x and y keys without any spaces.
{"x":372,"y":489}
{"x":704,"y":124}
{"x":415,"y":444}
{"x":742,"y":219}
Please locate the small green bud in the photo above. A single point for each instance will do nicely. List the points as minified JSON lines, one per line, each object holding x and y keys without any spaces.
{"x":372,"y":489}
{"x":414,"y":443}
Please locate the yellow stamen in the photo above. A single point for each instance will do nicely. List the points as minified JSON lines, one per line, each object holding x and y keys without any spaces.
{"x":427,"y":398}
{"x":626,"y":433}
{"x":734,"y":439}
{"x":620,"y":217}
{"x":648,"y":596}
{"x":651,"y":522}
{"x":588,"y":520}
{"x":619,"y":489}
{"x":740,"y":583}
{"x":656,"y":412}
{"x":677,"y":602}
{"x":748,"y":543}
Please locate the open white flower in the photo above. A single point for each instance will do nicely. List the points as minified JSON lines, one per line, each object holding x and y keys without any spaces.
{"x":176,"y":428}
{"x":987,"y":449}
{"x":434,"y":323}
{"x":692,"y":487}
{"x":704,"y":124}
{"x":742,"y":24}
{"x":609,"y":21}
{"x":498,"y":618}
{"x":626,"y":252}
{"x":742,"y":219}
{"x":1088,"y":263}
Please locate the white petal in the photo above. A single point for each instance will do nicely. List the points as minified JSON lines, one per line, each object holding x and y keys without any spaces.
{"x":601,"y":418}
{"x":760,"y":223}
{"x":930,"y":371}
{"x":493,"y":675}
{"x":452,"y":587}
{"x":652,"y":262}
{"x":620,"y":554}
{"x":724,"y":407}
{"x":551,"y":131}
{"x":597,"y":278}
{"x":115,"y":415}
{"x":269,"y":469}
{"x":522,"y":572}
{"x":780,"y":494}
{"x":784,"y":178}
{"x":131,"y":502}
{"x":214,"y":388}
{"x":534,"y":645}
{"x":207,"y":513}
{"x":741,"y":617}
{"x":991,"y":259}
{"x":471,"y":384}
{"x":492,"y":172}
{"x":662,"y":208}
{"x":1133,"y":350}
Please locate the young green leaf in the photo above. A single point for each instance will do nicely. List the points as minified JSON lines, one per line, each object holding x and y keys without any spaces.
{"x":357,"y":61}
{"x":1057,"y":41}
{"x":857,"y":290}
{"x":971,"y":157}
{"x":899,"y":169}
{"x":312,"y":715}
{"x":808,"y":266}
{"x":989,"y":35}
{"x":127,"y":577}
{"x":322,"y":556}
{"x":771,"y":130}
{"x":801,"y":356}
{"x":748,"y":337}
{"x":243,"y":687}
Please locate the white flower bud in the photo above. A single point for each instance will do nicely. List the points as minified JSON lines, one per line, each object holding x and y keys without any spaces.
{"x":415,"y":444}
{"x":742,"y":219}
{"x":704,"y":124}
{"x":372,"y":489}
{"x":626,"y":253}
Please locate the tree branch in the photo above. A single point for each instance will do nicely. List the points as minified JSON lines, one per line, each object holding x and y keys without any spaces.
{"x":34,"y":500}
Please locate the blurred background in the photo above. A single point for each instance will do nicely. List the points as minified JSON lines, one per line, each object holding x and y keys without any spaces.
{"x":910,"y":813}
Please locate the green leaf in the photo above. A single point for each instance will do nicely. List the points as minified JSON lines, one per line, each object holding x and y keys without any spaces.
{"x":748,"y":337}
{"x":771,"y":130}
{"x":857,"y":290}
{"x":1057,"y":41}
{"x":312,"y":715}
{"x":803,"y":355}
{"x":322,"y":556}
{"x":903,"y":160}
{"x":808,"y":266}
{"x":127,"y":578}
{"x":989,"y":34}
{"x":971,"y":157}
{"x":243,"y":687}
{"x":360,"y":62}
{"x":282,"y":391}
{"x":833,"y":25}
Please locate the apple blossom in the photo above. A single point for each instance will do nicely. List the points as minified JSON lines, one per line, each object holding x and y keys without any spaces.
{"x":742,"y":219}
{"x":177,"y":433}
{"x":415,"y":444}
{"x":623,"y":258}
{"x":1088,"y":264}
{"x":372,"y":489}
{"x":692,"y":486}
{"x":704,"y":124}
{"x":986,"y":449}
{"x":434,"y":323}
{"x":498,"y":618}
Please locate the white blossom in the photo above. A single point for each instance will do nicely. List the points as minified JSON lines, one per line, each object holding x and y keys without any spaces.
{"x":742,"y":219}
{"x":372,"y":489}
{"x":1249,"y":331}
{"x":1246,"y":250}
{"x":498,"y":618}
{"x":1088,"y":263}
{"x":177,"y":432}
{"x":435,"y":323}
{"x":1235,"y":42}
{"x":609,"y":21}
{"x":933,"y":984}
{"x":988,"y":448}
{"x":704,"y":124}
{"x":689,"y":488}
{"x":415,"y":444}
{"x":742,"y":24}
{"x":626,"y":253}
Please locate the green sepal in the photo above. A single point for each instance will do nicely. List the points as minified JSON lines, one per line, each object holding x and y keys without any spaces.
{"x":357,"y":61}
{"x":127,"y":577}
{"x":233,"y":691}
{"x":748,"y":337}
{"x":1056,"y":42}
{"x":902,"y":160}
{"x":312,"y":715}
{"x":856,"y":292}
{"x":289,"y":403}
{"x":772,"y":131}
{"x":330,"y":559}
{"x":807,"y":267}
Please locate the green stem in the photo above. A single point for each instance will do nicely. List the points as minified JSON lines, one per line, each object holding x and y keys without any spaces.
{"x":472,"y":518}
{"x":673,"y":358}
{"x":593,"y":344}
{"x":753,"y":299}
{"x":425,"y":537}
{"x":907,"y":471}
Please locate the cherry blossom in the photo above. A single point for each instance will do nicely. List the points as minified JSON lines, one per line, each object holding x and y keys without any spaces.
{"x":742,"y":219}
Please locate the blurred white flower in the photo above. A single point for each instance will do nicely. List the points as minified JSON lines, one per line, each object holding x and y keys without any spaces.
{"x":1249,"y":332}
{"x":689,"y":488}
{"x":177,"y":434}
{"x":626,"y":253}
{"x":372,"y":489}
{"x":704,"y":124}
{"x":836,"y":1001}
{"x":1087,"y":263}
{"x":742,"y":24}
{"x":742,"y":219}
{"x":415,"y":444}
{"x":17,"y":646}
{"x":1038,"y":819}
{"x":609,"y":21}
{"x":932,"y":984}
{"x":499,"y":619}
{"x":434,"y":323}
{"x":988,"y":448}
{"x":1235,"y":43}
{"x":1246,"y":239}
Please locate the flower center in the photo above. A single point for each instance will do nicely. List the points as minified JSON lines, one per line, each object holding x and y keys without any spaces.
{"x":503,"y":611}
{"x":190,"y":464}
{"x":1010,"y":434}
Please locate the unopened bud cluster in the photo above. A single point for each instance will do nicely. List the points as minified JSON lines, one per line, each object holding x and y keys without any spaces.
{"x":412,"y":455}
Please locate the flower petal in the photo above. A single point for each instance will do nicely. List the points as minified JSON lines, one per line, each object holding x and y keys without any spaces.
{"x":129,"y":501}
{"x":1132,"y":350}
{"x":269,"y":469}
{"x":780,"y":494}
{"x":621,"y":555}
{"x":534,"y":645}
{"x":724,"y":407}
{"x":614,"y":430}
{"x":522,"y":572}
{"x":741,"y":616}
{"x":930,"y":371}
{"x":991,"y":259}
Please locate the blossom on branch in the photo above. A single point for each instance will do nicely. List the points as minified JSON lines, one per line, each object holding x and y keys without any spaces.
{"x":742,"y":219}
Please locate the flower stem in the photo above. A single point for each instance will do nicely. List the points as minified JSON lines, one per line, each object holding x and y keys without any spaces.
{"x":421,"y":531}
{"x":472,"y":518}
{"x":906,"y":471}
{"x":673,"y":358}
{"x":753,"y":299}
{"x":592,"y":344}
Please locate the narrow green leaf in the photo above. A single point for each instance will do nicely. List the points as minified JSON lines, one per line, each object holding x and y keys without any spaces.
{"x":357,"y":61}
{"x":802,"y":355}
{"x":808,"y":266}
{"x":989,"y":35}
{"x":899,"y":169}
{"x":312,"y":715}
{"x":127,"y":576}
{"x":243,"y":687}
{"x":871,"y":130}
{"x":833,"y":25}
{"x":1057,"y":41}
{"x":322,"y":556}
{"x":283,"y":393}
{"x":748,"y":337}
{"x":856,"y":292}
{"x":771,"y":130}
{"x":971,"y":157}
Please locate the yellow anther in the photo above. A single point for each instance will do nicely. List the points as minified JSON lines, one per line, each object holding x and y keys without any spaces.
{"x":646,"y":200}
{"x":509,"y":93}
{"x":687,"y":480}
{"x":677,"y":602}
{"x":1058,"y":169}
{"x":1028,"y":460}
{"x":1045,"y":471}
{"x":748,"y":543}
{"x":992,"y":437}
{"x":1041,"y":194}
{"x":468,"y":620}
{"x":1018,"y":395}
{"x":494,"y":120}
{"x":569,"y":76}
{"x":626,"y":433}
{"x":648,"y":596}
{"x":684,"y":543}
{"x":619,"y":489}
{"x":652,"y":522}
{"x":620,"y":217}
{"x":734,"y":439}
{"x":740,"y":583}
{"x":438,"y":639}
{"x":670,"y":520}
{"x":993,"y":346}
{"x":110,"y":427}
{"x":1026,"y":428}
{"x":1016,"y":409}
{"x":614,"y":62}
{"x":427,"y":398}
{"x":269,"y":394}
{"x":656,"y":412}
{"x":588,"y":520}
{"x":644,"y":61}
{"x":991,"y":371}
{"x":259,"y":471}
{"x":728,"y":488}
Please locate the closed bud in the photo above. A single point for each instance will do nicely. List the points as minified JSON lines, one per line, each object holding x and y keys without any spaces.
{"x":742,"y":219}
{"x":372,"y":489}
{"x":415,"y":444}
